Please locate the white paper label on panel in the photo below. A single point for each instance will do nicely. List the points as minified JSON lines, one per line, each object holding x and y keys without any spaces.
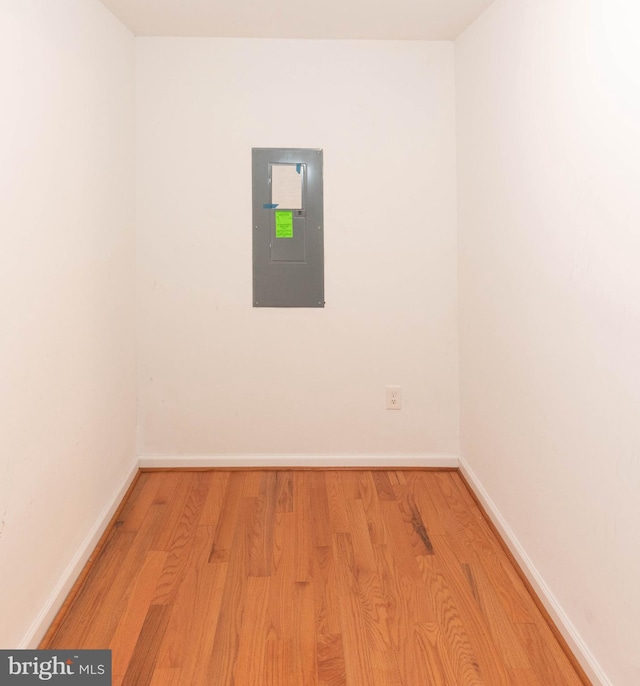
{"x":286,"y":185}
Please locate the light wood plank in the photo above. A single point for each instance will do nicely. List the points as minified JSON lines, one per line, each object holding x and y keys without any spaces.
{"x":132,"y":620}
{"x":261,"y":527}
{"x":227,"y":520}
{"x":372,"y":601}
{"x":143,"y":661}
{"x":331,"y":666}
{"x":356,"y":645}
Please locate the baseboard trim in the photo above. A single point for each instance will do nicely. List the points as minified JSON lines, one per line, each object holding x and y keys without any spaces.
{"x":42,"y":622}
{"x":428,"y":460}
{"x":549,"y":602}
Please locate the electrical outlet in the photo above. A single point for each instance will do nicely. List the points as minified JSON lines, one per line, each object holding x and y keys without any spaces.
{"x":394,"y":398}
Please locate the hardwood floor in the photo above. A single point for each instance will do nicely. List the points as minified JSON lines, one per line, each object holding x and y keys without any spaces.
{"x":296,"y":578}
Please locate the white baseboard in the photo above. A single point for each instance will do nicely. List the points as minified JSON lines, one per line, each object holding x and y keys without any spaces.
{"x":551,"y":604}
{"x":41,"y":624}
{"x":293,"y":461}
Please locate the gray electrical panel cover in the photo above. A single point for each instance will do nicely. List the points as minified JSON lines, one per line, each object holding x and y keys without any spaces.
{"x":288,"y":228}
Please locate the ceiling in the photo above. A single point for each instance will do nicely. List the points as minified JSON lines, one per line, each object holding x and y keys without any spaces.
{"x":329,"y":19}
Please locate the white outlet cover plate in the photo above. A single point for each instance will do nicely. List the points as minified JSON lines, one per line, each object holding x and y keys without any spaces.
{"x":393,"y":397}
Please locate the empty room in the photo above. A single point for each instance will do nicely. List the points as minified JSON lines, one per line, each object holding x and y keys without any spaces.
{"x":320,"y":337}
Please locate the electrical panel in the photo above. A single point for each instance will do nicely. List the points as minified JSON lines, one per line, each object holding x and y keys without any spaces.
{"x":288,"y":227}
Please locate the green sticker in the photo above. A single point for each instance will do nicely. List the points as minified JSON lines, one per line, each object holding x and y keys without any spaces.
{"x":284,"y":224}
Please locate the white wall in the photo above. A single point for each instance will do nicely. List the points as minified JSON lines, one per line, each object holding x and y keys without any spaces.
{"x":67,"y":345}
{"x":548,"y":106}
{"x":218,"y":377}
